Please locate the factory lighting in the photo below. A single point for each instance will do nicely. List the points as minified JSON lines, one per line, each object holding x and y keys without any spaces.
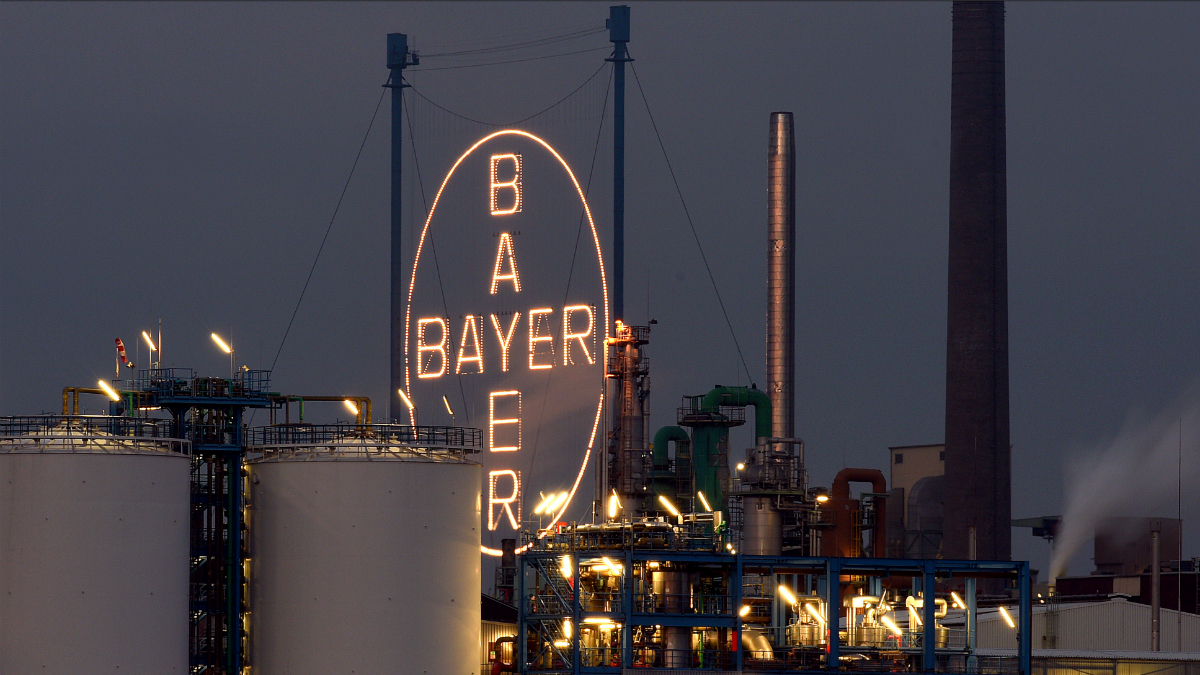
{"x":787,"y":595}
{"x":448,"y":408}
{"x":1007,"y":617}
{"x":567,"y":628}
{"x":404,"y":397}
{"x":812,"y":610}
{"x":222,"y":344}
{"x":957,"y":600}
{"x":562,"y":643}
{"x":351,"y":407}
{"x":614,"y":505}
{"x":822,"y":498}
{"x":108,"y":391}
{"x":596,"y":619}
{"x":653,"y":564}
{"x":607,"y":626}
{"x":565,"y":566}
{"x":914,"y":615}
{"x":149,"y":341}
{"x":744,"y":610}
{"x":704,"y":502}
{"x":892,"y":626}
{"x":741,"y":467}
{"x":668,"y":505}
{"x":559,"y":501}
{"x":613,"y":567}
{"x":545,"y":505}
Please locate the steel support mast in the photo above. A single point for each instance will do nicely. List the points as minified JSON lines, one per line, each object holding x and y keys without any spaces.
{"x":398,"y":58}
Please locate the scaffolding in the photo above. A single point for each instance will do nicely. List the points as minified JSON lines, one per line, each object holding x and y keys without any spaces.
{"x":661,"y":596}
{"x":208,"y":411}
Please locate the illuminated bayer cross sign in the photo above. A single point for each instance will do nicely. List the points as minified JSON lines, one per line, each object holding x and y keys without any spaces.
{"x":507,"y":317}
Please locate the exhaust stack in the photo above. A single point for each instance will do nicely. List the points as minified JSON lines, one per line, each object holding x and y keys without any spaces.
{"x":781,"y":277}
{"x":978,"y":465}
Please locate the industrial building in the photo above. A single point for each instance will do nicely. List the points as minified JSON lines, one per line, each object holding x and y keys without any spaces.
{"x":172,"y":536}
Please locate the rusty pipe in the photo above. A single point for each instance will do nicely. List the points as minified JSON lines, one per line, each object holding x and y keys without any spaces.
{"x":76,"y":391}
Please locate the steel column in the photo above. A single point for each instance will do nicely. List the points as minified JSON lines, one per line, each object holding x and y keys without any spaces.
{"x":618,"y":34}
{"x":398,"y":58}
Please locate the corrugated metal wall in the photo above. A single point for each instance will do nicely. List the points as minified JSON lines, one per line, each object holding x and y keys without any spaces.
{"x":1114,"y":625}
{"x":489,"y":632}
{"x":1114,"y":666}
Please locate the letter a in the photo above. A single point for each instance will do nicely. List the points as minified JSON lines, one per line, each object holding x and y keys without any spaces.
{"x":505,"y":252}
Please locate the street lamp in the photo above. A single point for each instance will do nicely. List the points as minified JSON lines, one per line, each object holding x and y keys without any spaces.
{"x":227,"y":349}
{"x":408,"y":402}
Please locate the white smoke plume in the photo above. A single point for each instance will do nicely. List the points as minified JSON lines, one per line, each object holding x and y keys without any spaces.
{"x":1135,"y":475}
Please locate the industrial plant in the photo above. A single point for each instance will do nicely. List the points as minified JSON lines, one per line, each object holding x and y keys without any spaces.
{"x":203,"y":526}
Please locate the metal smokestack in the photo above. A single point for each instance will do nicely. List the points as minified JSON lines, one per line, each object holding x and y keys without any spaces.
{"x":978,"y":465}
{"x":781,"y":275}
{"x":1155,"y":586}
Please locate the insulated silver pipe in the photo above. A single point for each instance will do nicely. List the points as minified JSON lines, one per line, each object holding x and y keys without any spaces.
{"x":781,"y":275}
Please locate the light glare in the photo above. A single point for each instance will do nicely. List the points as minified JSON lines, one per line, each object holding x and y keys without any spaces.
{"x":405,"y":399}
{"x":812,"y":610}
{"x":668,"y":505}
{"x":109,"y":391}
{"x":222,"y":344}
{"x":149,"y":341}
{"x":892,"y":625}
{"x":1007,"y":617}
{"x":787,"y":595}
{"x":957,"y":600}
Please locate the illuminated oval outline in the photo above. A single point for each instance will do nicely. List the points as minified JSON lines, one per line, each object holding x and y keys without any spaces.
{"x":603,"y":284}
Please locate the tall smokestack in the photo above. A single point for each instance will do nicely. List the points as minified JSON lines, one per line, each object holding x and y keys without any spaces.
{"x":781,"y":275}
{"x":978,"y":465}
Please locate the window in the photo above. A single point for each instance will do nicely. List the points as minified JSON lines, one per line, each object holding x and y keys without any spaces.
{"x":941,"y":455}
{"x":899,"y":458}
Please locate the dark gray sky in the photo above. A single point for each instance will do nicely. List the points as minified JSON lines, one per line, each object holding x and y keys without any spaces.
{"x":182,"y":161}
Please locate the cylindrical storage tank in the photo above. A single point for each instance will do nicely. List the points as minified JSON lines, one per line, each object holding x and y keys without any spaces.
{"x":364,"y":558}
{"x":762,"y":529}
{"x":93,"y":547}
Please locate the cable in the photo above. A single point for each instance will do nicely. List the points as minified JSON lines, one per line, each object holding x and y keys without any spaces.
{"x":500,"y":63}
{"x":330,"y":227}
{"x":433,"y":250}
{"x":574,"y":254}
{"x":510,"y":124}
{"x":537,"y":42}
{"x":690,"y":223}
{"x":522,"y":34}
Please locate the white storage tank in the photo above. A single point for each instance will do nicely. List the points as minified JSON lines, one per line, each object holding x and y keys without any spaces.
{"x":93,"y":547}
{"x":364,"y":552}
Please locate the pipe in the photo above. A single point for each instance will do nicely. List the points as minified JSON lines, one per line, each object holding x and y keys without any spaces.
{"x":781,"y":274}
{"x":743,"y":396}
{"x":76,"y":391}
{"x":843,"y":509}
{"x":363,"y":404}
{"x":664,"y":436}
{"x":1155,"y":588}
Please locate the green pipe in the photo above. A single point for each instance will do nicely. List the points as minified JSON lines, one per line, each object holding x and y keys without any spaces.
{"x":743,"y":396}
{"x":707,"y":442}
{"x":664,"y":436}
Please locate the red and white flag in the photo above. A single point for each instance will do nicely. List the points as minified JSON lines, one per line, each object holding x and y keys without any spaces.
{"x":121,"y":351}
